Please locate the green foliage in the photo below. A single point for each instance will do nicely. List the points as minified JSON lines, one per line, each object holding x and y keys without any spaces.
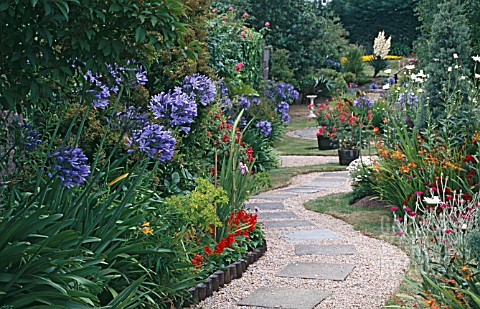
{"x":304,"y":29}
{"x":364,"y":19}
{"x":61,"y":31}
{"x":352,"y":61}
{"x":281,"y":66}
{"x":450,"y":36}
{"x":378,"y":65}
{"x":170,"y":68}
{"x":199,"y":207}
{"x":230,"y":44}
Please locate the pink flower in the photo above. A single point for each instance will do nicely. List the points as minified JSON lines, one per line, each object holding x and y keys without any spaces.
{"x":230,"y":8}
{"x":267,"y":24}
{"x":215,"y":10}
{"x":419,"y":192}
{"x":244,"y":28}
{"x":399,"y":219}
{"x":224,"y":17}
{"x":400,"y":233}
{"x":394,"y":208}
{"x":245,"y":15}
{"x":239,"y":66}
{"x":448,"y":231}
{"x":334,"y":135}
{"x":412,"y":213}
{"x":242,"y":34}
{"x":406,"y":209}
{"x":334,"y":129}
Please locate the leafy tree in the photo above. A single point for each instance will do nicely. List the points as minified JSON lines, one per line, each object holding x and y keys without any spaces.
{"x":363,"y":19}
{"x":426,"y":10}
{"x":174,"y":66}
{"x":449,"y":58}
{"x":39,"y":39}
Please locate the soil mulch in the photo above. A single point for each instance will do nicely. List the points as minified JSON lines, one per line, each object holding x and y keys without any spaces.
{"x":371,"y":201}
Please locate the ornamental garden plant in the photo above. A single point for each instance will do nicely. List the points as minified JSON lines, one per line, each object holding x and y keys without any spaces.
{"x":115,"y":192}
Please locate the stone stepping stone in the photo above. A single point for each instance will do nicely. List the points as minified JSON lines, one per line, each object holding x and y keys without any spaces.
{"x":301,"y":190}
{"x":319,"y":271}
{"x":287,"y":223}
{"x":324,"y":249}
{"x":265,"y":206}
{"x":277,"y":215}
{"x":324,"y":184}
{"x":320,"y":234}
{"x":273,"y":297}
{"x":273,"y":196}
{"x":336,"y":174}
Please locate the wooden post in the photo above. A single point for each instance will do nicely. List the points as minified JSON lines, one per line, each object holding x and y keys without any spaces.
{"x":265,"y":61}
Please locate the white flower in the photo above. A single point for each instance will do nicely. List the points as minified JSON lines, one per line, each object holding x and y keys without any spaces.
{"x":421,"y":74}
{"x":386,"y":87}
{"x":477,"y":75}
{"x":381,"y":46}
{"x":456,"y":66}
{"x":388,"y":71}
{"x":463,"y":77}
{"x":455,"y":56}
{"x":449,"y":69}
{"x":410,"y":67}
{"x":432,"y":201}
{"x":420,"y":90}
{"x":413,"y":76}
{"x":476,"y":58}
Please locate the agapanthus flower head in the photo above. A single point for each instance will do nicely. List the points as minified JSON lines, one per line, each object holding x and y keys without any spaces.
{"x":373,"y":86}
{"x":243,"y":102}
{"x":30,"y":137}
{"x":265,"y":127}
{"x":102,"y":87}
{"x":153,"y":140}
{"x":69,"y":164}
{"x":130,"y":118}
{"x":177,"y":108}
{"x":363,"y":102}
{"x":199,"y":87}
{"x":282,"y":108}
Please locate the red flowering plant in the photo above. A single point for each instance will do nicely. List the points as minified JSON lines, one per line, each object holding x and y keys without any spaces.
{"x":345,"y":122}
{"x":243,"y":234}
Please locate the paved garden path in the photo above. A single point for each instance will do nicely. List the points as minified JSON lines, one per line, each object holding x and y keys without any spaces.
{"x":313,"y":260}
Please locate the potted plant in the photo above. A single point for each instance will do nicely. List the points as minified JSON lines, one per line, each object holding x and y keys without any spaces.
{"x":325,"y":136}
{"x":350,"y":124}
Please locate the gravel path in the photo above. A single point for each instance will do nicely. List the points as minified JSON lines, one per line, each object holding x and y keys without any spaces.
{"x":378,"y":271}
{"x":290,"y":161}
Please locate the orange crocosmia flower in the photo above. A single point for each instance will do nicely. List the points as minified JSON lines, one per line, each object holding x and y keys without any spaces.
{"x":375,"y":130}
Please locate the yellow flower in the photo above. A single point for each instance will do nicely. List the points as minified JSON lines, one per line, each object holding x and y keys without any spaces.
{"x":146,"y":223}
{"x":147,"y":230}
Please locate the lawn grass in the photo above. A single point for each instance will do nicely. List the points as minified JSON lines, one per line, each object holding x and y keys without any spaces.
{"x":282,"y":177}
{"x":374,"y":222}
{"x":302,"y":147}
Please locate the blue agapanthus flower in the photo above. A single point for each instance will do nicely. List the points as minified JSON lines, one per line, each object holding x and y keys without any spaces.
{"x":177,"y":108}
{"x":30,"y":137}
{"x":265,"y":127}
{"x":363,"y":102}
{"x":281,"y":91}
{"x":282,"y":108}
{"x":69,"y":164}
{"x":153,"y":140}
{"x":102,"y":87}
{"x":244,"y":102}
{"x":410,"y":98}
{"x":200,"y":87}
{"x":130,"y":118}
